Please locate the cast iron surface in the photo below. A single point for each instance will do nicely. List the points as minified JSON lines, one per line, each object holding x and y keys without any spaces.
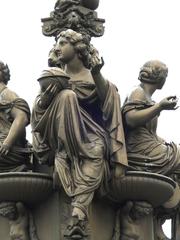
{"x":142,"y":186}
{"x":27,"y":187}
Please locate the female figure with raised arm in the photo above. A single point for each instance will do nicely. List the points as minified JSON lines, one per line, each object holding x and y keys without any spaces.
{"x":81,"y":124}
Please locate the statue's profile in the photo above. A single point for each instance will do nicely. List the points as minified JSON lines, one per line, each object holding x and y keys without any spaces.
{"x":81,"y":125}
{"x":147,"y":151}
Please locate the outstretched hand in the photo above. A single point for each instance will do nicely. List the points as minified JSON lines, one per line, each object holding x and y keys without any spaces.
{"x":169,"y":103}
{"x":4,"y":149}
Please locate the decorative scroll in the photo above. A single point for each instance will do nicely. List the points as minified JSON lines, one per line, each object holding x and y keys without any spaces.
{"x":72,"y":14}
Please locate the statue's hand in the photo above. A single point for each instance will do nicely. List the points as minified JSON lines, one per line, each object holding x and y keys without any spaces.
{"x":47,"y":96}
{"x":119,"y":171}
{"x":169,"y":103}
{"x":97,"y":65}
{"x":4,"y":149}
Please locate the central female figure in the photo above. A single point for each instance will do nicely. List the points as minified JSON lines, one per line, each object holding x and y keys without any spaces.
{"x":79,"y":126}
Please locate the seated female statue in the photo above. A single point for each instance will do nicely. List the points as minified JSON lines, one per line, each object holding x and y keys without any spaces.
{"x":147,"y":151}
{"x":14,"y":116}
{"x":79,"y":126}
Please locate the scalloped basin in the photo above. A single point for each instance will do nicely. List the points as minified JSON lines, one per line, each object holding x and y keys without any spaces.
{"x":142,"y":186}
{"x":27,"y":187}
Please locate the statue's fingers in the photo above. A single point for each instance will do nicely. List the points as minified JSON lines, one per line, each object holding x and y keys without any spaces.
{"x":54,"y":90}
{"x":93,"y":63}
{"x":176,"y":107}
{"x":6,"y":152}
{"x":174,"y":102}
{"x":49,"y":88}
{"x":1,"y":151}
{"x":171,"y":97}
{"x":102,"y":61}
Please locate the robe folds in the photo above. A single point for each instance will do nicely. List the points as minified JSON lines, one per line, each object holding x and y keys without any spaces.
{"x":146,"y":150}
{"x":18,"y":158}
{"x":84,"y":136}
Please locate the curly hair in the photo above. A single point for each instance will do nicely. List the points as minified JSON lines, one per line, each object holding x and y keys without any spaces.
{"x":153,"y":72}
{"x":86,"y":51}
{"x":4,"y":73}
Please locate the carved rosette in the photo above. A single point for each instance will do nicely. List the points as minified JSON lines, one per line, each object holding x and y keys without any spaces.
{"x":75,"y":15}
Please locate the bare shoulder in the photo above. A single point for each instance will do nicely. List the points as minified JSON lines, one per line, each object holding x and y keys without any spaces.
{"x":137,"y":94}
{"x":9,"y":95}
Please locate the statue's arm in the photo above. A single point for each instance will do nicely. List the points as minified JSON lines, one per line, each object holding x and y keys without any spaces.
{"x":135,"y":118}
{"x":139,"y":117}
{"x":20,"y":121}
{"x":101,"y":85}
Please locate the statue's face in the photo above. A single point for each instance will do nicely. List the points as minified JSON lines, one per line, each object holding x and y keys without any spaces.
{"x":64,"y":50}
{"x":12,"y":215}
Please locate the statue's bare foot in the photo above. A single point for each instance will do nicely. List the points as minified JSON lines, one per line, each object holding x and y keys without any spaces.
{"x":77,"y":212}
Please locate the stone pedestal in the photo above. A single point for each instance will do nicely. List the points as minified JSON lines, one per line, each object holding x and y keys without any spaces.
{"x":52,"y":216}
{"x":108,"y":219}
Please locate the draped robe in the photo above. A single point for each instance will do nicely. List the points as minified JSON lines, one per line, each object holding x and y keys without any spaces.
{"x":18,"y":158}
{"x":146,"y":150}
{"x":83,"y":135}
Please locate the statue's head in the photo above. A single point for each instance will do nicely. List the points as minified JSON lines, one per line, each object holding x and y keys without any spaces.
{"x":153,"y":72}
{"x":71,"y":44}
{"x":4,"y":73}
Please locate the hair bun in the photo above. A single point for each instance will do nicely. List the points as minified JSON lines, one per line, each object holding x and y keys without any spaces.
{"x":91,"y":4}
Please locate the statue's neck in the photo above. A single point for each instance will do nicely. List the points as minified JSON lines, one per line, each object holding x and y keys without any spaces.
{"x":75,"y":66}
{"x":148,"y":88}
{"x":2,"y":86}
{"x":77,"y":71}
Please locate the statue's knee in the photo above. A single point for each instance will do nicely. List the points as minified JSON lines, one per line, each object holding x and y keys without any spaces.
{"x":98,"y":150}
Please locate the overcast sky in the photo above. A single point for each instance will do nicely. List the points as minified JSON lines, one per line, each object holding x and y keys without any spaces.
{"x":136,"y":31}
